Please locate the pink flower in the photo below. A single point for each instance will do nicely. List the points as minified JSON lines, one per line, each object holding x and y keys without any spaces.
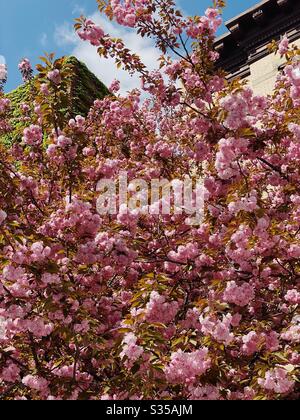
{"x":63,"y":142}
{"x":11,"y":373}
{"x":45,"y":89}
{"x":91,"y":32}
{"x":292,"y":334}
{"x":3,"y":72}
{"x":130,"y":20}
{"x":294,"y":251}
{"x":251,"y":343}
{"x":88,"y":151}
{"x":39,"y":251}
{"x":295,"y":129}
{"x":26,"y":69}
{"x":115,"y":86}
{"x":205,"y":393}
{"x":187,"y":367}
{"x":185,"y":253}
{"x":39,"y":328}
{"x":54,"y":76}
{"x":219,"y":330}
{"x":130,"y":349}
{"x":51,"y":150}
{"x":248,"y":204}
{"x":293,"y":296}
{"x":3,"y":216}
{"x":283,"y":45}
{"x":278,"y":381}
{"x":33,"y":135}
{"x":239,"y":295}
{"x":229,"y":150}
{"x":211,"y":13}
{"x":159,"y":310}
{"x":35,"y":382}
{"x":4,"y":105}
{"x":293,"y":73}
{"x":49,"y":279}
{"x":272,"y":341}
{"x":241,"y":107}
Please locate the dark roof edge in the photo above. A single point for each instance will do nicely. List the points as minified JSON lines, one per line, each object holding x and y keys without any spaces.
{"x":248,"y":16}
{"x":252,"y":31}
{"x":249,"y":11}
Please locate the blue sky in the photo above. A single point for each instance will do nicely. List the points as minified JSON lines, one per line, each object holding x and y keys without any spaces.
{"x":31,"y":27}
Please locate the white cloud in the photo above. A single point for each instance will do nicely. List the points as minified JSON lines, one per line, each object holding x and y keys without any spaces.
{"x":78,"y":10}
{"x":106,"y":69}
{"x":2,"y":59}
{"x":44,"y":40}
{"x":65,"y":35}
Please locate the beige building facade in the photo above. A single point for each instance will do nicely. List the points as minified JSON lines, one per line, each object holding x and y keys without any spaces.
{"x":244,"y":49}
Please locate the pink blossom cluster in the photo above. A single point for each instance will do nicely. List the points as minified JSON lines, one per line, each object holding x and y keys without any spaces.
{"x":125,"y":13}
{"x":292,"y":334}
{"x":208,"y":23}
{"x":248,"y":204}
{"x":4,"y":105}
{"x":16,"y":325}
{"x":294,"y":251}
{"x":184,"y":253}
{"x":130,"y":349}
{"x":45,"y":89}
{"x":35,"y":382}
{"x":26,"y":69}
{"x":3,"y":72}
{"x":215,"y":20}
{"x":33,"y":135}
{"x":205,"y":393}
{"x":295,"y":129}
{"x":76,"y":216}
{"x":3,"y":216}
{"x":251,"y":343}
{"x":277,"y":381}
{"x":217,"y":329}
{"x":54,"y":76}
{"x":254,"y":341}
{"x":91,"y":32}
{"x":11,"y":373}
{"x":240,"y":295}
{"x":159,"y":310}
{"x":230,"y":150}
{"x":63,"y":142}
{"x":293,"y":296}
{"x":3,"y":76}
{"x":238,"y":250}
{"x":243,"y":108}
{"x":292,"y":73}
{"x":115,"y":86}
{"x":162,"y":149}
{"x":283,"y":47}
{"x":187,"y":367}
{"x":77,"y":123}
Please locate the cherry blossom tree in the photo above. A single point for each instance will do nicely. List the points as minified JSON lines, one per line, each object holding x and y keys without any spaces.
{"x":142,"y":305}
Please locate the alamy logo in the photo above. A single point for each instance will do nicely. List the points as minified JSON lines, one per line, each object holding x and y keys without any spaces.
{"x":153,"y":197}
